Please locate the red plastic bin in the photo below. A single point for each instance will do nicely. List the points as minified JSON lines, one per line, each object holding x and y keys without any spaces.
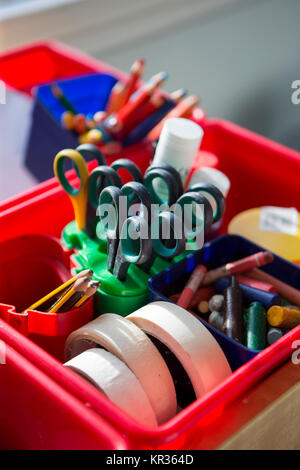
{"x":178,"y":432}
{"x":37,"y":413}
{"x":40,"y":62}
{"x":31,"y":266}
{"x":261,"y":172}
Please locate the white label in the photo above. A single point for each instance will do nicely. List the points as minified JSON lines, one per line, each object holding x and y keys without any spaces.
{"x":279,"y":219}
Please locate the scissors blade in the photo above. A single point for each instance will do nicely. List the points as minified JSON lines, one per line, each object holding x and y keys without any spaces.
{"x":135,"y":246}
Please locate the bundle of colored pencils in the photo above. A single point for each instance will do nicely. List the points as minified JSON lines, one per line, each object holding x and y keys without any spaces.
{"x":132,"y":112}
{"x":72,"y":294}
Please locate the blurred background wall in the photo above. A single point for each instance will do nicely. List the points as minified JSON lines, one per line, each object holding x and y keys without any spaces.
{"x":240,"y":56}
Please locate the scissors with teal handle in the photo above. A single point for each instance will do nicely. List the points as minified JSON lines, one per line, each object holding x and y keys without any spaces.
{"x":214,"y":192}
{"x":123,"y":248}
{"x":85,"y":198}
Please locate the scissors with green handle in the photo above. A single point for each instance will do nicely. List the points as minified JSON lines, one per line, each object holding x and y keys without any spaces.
{"x":128,"y":239}
{"x":85,"y":198}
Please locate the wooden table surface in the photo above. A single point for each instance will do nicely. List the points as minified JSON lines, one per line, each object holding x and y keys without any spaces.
{"x":266,"y":417}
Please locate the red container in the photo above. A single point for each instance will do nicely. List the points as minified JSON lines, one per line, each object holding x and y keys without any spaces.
{"x":178,"y":432}
{"x":37,"y":413}
{"x":31,"y":266}
{"x":261,"y":172}
{"x":41,"y":62}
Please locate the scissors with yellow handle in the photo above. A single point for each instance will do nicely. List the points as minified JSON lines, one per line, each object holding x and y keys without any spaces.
{"x":78,"y":196}
{"x":85,"y":199}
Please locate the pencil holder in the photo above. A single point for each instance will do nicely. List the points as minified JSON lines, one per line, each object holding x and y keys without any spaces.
{"x":41,"y":62}
{"x":88,"y":94}
{"x":122,"y":297}
{"x":216,"y":253}
{"x":30,"y":267}
{"x":47,"y":137}
{"x":48,"y":330}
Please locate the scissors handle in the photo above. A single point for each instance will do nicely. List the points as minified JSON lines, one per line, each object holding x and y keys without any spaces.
{"x":78,"y":196}
{"x":137,"y":194}
{"x":167,"y":235}
{"x":100,"y":177}
{"x":93,"y":152}
{"x":217,"y":195}
{"x":109,"y":218}
{"x":135,"y":246}
{"x":193,"y":224}
{"x":168,"y":181}
{"x":128,"y":165}
{"x":174,"y":173}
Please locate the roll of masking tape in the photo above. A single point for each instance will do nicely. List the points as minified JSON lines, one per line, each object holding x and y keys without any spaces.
{"x":188,"y":339}
{"x":126,"y":341}
{"x":113,"y":378}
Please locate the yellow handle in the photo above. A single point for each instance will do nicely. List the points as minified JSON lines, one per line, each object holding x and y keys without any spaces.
{"x":78,"y":196}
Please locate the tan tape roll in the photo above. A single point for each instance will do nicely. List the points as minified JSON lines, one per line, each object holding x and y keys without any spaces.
{"x":110,"y":375}
{"x":188,"y":339}
{"x":126,"y":341}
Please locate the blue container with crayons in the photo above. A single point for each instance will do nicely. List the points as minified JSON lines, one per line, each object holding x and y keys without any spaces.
{"x":222,"y":250}
{"x":88,"y":94}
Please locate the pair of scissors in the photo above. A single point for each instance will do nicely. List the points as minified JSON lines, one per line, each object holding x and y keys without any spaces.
{"x":85,"y":198}
{"x":172,"y":193}
{"x":128,"y":237}
{"x":135,"y":238}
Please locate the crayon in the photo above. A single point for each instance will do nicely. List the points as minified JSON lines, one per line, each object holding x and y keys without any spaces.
{"x":80,"y":125}
{"x":93,"y":136}
{"x":258,"y":259}
{"x":203,"y":293}
{"x":283,"y":289}
{"x":283,"y":317}
{"x":203,"y":307}
{"x":99,"y":117}
{"x":257,"y":284}
{"x":233,"y":316}
{"x":67,"y":120}
{"x":216,"y":319}
{"x":183,"y":109}
{"x":256,"y":326}
{"x":191,"y":286}
{"x":273,"y":335}
{"x":216,"y":303}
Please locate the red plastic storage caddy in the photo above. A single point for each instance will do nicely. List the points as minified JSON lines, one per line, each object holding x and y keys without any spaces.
{"x":41,"y":62}
{"x":38,"y":413}
{"x":261,"y":172}
{"x":31,"y":266}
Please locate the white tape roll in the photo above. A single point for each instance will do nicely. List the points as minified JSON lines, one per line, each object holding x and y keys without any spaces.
{"x":122,"y":338}
{"x":188,"y":339}
{"x":107,"y":373}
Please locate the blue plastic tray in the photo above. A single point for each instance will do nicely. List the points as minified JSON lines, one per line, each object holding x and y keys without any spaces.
{"x":216,"y":253}
{"x":88,"y":94}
